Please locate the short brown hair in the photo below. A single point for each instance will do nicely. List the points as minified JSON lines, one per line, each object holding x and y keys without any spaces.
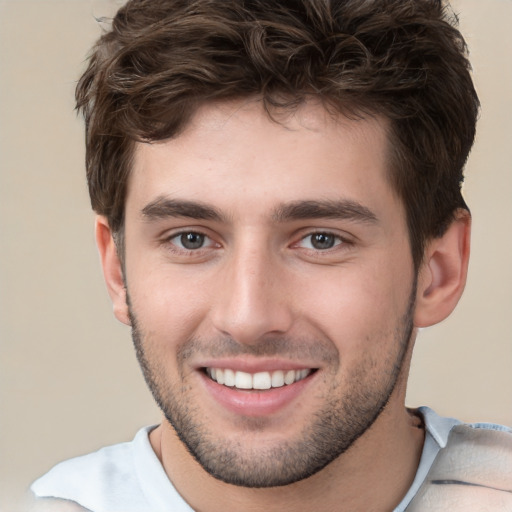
{"x":402,"y":59}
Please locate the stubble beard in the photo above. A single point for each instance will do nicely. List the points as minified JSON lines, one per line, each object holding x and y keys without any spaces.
{"x":345,"y":416}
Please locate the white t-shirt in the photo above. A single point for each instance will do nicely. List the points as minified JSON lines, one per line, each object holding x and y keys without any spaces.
{"x":128,"y":477}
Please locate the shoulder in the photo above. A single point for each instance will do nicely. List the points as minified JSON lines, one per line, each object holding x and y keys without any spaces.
{"x":473,"y":471}
{"x":112,"y":462}
{"x":95,"y":480}
{"x":477,"y":455}
{"x":55,"y":505}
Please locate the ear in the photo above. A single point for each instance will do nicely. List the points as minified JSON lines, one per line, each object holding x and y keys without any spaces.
{"x":112,"y":269}
{"x":443,"y":273}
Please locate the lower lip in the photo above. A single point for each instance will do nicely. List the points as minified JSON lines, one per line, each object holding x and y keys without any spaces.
{"x":254,"y":402}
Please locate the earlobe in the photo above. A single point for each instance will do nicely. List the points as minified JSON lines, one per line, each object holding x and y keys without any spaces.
{"x":112,"y":269}
{"x":442,"y":276}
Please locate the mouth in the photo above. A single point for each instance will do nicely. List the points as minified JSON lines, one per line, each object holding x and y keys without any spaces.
{"x":256,"y":389}
{"x":257,"y":381}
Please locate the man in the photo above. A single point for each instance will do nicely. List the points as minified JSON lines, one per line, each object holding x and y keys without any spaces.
{"x":278,"y":195}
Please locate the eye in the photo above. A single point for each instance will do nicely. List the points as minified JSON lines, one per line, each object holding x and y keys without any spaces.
{"x":320,"y":241}
{"x":191,"y":240}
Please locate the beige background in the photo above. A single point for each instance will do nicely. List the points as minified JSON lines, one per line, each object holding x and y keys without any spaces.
{"x":69,"y":380}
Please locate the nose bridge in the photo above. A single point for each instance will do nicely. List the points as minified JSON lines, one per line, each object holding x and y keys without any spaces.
{"x":252,"y":302}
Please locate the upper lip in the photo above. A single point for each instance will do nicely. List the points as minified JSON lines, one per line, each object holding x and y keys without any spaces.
{"x":255,"y":365}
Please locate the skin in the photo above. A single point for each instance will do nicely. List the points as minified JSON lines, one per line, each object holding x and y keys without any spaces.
{"x":259,"y":295}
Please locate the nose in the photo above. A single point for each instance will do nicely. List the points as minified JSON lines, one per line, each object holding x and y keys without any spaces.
{"x":252,"y":301}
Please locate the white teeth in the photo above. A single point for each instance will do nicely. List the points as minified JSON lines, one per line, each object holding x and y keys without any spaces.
{"x":229,"y":377}
{"x":259,"y":380}
{"x":277,"y":379}
{"x":289,"y":377}
{"x":243,"y":380}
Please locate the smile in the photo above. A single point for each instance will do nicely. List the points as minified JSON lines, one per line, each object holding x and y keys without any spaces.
{"x":259,"y":380}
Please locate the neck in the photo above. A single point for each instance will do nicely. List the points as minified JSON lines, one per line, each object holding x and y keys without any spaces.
{"x":373,"y":475}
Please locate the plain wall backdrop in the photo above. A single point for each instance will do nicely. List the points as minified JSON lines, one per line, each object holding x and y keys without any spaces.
{"x":69,"y":381}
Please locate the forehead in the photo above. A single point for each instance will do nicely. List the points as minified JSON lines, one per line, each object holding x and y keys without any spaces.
{"x":235,"y":155}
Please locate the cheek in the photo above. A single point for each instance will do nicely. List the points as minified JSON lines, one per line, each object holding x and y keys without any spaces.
{"x":358,"y":307}
{"x":168,"y":305}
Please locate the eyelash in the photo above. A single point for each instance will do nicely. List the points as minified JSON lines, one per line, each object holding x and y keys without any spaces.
{"x":337,"y":241}
{"x":185,"y":250}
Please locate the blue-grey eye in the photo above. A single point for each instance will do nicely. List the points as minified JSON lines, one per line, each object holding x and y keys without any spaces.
{"x":320,"y":241}
{"x":192,"y":240}
{"x":323,"y":241}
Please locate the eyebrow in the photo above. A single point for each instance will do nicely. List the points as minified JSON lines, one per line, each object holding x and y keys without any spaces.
{"x":324,"y":209}
{"x":163,"y":207}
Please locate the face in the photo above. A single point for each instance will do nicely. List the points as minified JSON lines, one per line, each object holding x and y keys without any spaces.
{"x":270,"y":285}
